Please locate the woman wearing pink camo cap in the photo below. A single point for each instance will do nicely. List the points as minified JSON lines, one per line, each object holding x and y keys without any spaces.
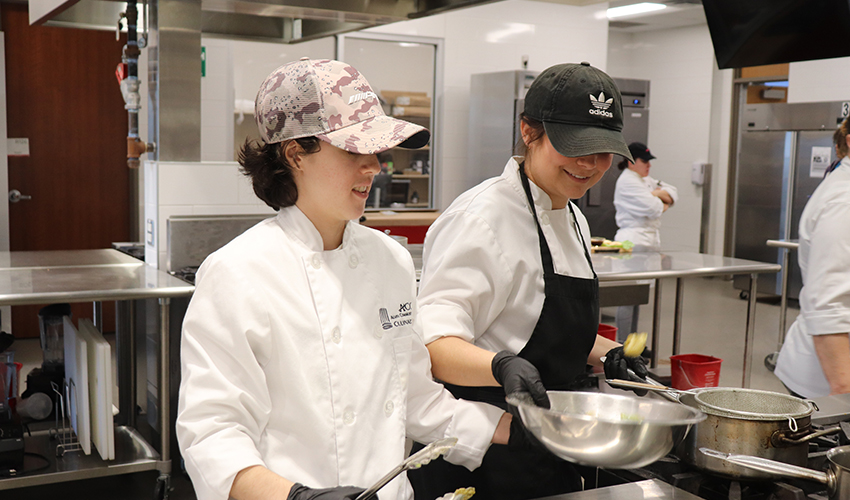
{"x":302,"y":366}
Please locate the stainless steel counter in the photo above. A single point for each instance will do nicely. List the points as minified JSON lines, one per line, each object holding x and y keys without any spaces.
{"x":65,"y":258}
{"x":660,"y":265}
{"x":94,"y":276}
{"x":31,"y":280}
{"x":649,"y":489}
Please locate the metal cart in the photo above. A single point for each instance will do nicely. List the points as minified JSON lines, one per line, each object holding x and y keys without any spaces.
{"x":44,"y":277}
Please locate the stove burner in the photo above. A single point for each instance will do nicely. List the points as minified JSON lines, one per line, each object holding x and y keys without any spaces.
{"x":710,"y":487}
{"x":186,"y":273}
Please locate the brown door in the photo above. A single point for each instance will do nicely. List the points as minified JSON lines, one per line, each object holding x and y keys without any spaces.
{"x":61,"y":94}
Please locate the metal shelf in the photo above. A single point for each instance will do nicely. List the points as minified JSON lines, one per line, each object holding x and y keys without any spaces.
{"x":92,"y":276}
{"x":132,"y":454}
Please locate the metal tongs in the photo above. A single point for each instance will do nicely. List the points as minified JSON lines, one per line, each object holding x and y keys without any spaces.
{"x":418,"y":459}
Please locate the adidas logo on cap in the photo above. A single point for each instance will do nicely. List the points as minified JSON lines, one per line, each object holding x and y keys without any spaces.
{"x":601,"y":105}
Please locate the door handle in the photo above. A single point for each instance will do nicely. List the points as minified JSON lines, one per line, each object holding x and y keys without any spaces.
{"x":16,"y":196}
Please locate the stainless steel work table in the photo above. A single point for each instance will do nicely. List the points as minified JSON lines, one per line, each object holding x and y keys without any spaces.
{"x":680,"y":265}
{"x":46,"y":277}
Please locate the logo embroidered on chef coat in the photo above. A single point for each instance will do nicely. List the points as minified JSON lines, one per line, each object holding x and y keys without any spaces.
{"x":601,"y":105}
{"x":385,"y":319}
{"x":405,"y":311}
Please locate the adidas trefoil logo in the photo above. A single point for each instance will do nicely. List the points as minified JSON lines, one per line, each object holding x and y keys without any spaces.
{"x":601,"y":105}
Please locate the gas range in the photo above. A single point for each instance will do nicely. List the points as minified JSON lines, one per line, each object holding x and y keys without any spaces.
{"x":709,"y":486}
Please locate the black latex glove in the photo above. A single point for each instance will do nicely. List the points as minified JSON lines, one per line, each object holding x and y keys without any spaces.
{"x":617,"y":365}
{"x":518,"y":375}
{"x":301,"y":492}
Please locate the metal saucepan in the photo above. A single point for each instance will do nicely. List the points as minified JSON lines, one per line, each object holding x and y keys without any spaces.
{"x":607,"y":430}
{"x":836,"y":478}
{"x":778,"y":427}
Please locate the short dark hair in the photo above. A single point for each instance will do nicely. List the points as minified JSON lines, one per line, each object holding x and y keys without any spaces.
{"x":270,"y":173}
{"x":624,"y":164}
{"x":537,"y":131}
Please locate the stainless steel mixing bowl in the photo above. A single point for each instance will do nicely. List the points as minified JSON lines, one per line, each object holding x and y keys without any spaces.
{"x":607,"y":430}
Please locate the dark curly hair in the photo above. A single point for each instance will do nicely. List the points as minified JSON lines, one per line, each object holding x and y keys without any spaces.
{"x":270,"y":173}
{"x":624,"y":164}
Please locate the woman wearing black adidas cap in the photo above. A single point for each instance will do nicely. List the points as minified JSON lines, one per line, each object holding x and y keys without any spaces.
{"x":508,"y":295}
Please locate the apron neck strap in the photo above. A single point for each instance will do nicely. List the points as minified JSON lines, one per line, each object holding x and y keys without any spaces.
{"x":545,"y":253}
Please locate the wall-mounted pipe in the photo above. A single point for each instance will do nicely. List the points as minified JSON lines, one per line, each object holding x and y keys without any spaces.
{"x":132,"y":98}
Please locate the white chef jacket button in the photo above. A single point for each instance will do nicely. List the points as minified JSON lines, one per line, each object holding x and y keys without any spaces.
{"x":379,"y":332}
{"x":353,"y":261}
{"x":336,"y":336}
{"x":316,"y":262}
{"x":544,"y":219}
{"x":348,"y":417}
{"x":388,"y":408}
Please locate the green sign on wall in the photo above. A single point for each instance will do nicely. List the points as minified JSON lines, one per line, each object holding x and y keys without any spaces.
{"x":203,"y":62}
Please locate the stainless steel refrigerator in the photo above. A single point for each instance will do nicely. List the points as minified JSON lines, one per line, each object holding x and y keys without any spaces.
{"x":783,"y":150}
{"x":495,"y":103}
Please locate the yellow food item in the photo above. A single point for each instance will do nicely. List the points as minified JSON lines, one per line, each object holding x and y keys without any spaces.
{"x":624,"y":245}
{"x":634,"y":345}
{"x":463,"y":493}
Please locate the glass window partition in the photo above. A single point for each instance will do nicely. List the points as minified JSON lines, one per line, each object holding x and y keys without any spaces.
{"x":403,"y":71}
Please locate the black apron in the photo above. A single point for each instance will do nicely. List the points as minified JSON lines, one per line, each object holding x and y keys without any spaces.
{"x":559,"y":347}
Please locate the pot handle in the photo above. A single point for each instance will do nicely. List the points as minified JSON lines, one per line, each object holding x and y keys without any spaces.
{"x":779,"y":438}
{"x":771,"y":466}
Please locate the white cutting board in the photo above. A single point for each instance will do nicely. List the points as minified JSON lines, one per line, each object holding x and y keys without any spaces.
{"x":100,"y":389}
{"x":77,"y":376}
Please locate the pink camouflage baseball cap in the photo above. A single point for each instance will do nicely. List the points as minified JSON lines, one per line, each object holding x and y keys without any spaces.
{"x":332,"y":101}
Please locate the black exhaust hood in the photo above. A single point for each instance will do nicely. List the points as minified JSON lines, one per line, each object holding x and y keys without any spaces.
{"x":758,"y":32}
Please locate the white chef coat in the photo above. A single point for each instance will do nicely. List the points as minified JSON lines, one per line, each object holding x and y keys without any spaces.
{"x":482,"y":274}
{"x":309,"y":362}
{"x":824,"y":258}
{"x":638,"y":210}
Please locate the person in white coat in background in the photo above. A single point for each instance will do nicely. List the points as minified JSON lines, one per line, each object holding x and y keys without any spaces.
{"x":639,"y":200}
{"x":302,"y":366}
{"x":815,"y":358}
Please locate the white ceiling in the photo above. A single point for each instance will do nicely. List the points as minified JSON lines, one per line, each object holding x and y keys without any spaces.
{"x":679,"y":13}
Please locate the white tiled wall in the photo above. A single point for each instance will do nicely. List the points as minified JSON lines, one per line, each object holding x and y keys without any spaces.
{"x":495,"y":37}
{"x":205,"y":188}
{"x":679,"y":63}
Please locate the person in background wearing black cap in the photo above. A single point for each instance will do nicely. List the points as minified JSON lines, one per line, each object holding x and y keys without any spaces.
{"x":639,"y":200}
{"x":508,"y":295}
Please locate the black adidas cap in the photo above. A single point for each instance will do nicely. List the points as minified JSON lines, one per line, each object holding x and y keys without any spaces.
{"x":581,"y":109}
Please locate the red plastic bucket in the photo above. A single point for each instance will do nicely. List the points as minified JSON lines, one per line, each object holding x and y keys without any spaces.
{"x":608,"y":331}
{"x":688,"y":371}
